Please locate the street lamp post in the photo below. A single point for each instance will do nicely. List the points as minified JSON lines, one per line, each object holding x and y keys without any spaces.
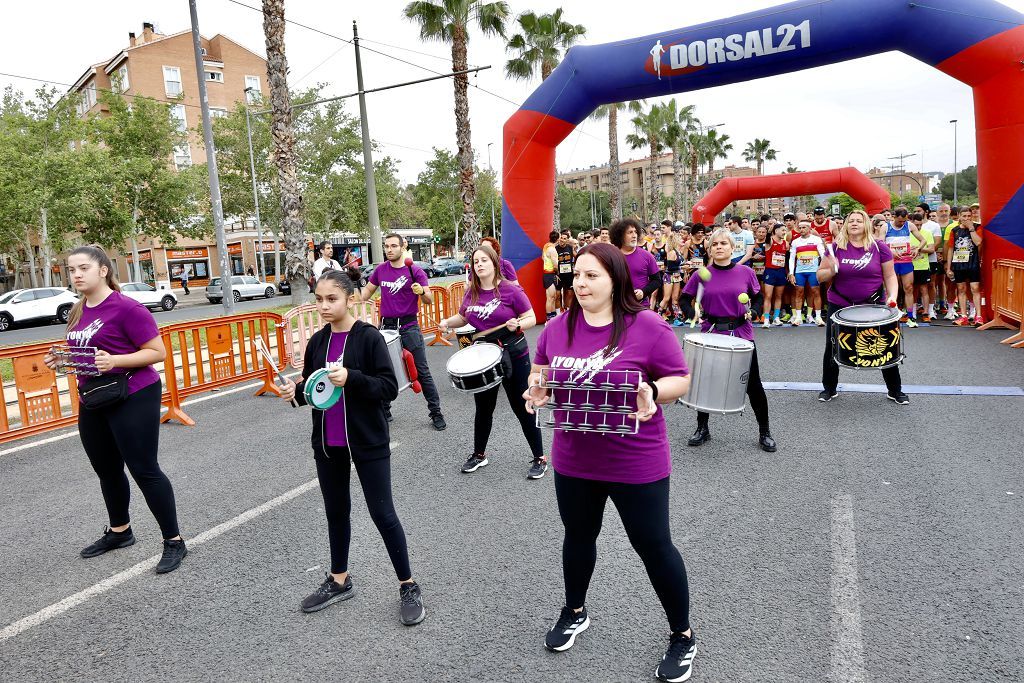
{"x":953,"y":121}
{"x":260,"y":267}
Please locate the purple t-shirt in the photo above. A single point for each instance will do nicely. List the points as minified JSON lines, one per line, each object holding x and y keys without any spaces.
{"x":860,"y":273}
{"x":721,"y":296}
{"x":494,"y":306}
{"x":642,"y":265}
{"x":648,"y":345}
{"x":119,"y":326}
{"x":334,"y":417}
{"x":396,"y":295}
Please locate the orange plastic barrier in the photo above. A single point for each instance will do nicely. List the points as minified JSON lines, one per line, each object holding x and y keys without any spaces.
{"x":429,"y":316}
{"x":456,"y":293}
{"x":307,"y":321}
{"x":228,"y":356}
{"x":1008,"y":300}
{"x":38,"y":393}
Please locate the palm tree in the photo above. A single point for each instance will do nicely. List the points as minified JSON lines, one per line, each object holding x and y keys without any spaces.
{"x":293,"y":224}
{"x":448,"y":21}
{"x":539,"y":47}
{"x":611,"y":112}
{"x":759,"y":151}
{"x":696,"y":142}
{"x":715,"y":147}
{"x":650,"y":133}
{"x":680,"y":124}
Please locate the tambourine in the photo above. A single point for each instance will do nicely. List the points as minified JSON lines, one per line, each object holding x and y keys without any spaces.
{"x":319,"y":391}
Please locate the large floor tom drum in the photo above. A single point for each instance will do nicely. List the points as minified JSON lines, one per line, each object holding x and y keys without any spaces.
{"x":867,"y":337}
{"x":719,"y":370}
{"x":476,"y":368}
{"x":393,"y":339}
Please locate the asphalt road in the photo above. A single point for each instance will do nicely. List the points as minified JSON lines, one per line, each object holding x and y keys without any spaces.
{"x":880,"y":543}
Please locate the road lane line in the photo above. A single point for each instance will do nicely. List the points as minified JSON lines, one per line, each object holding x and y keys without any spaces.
{"x":848,"y":647}
{"x":70,"y":602}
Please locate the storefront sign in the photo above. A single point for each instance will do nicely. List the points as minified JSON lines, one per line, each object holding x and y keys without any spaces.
{"x":201,"y":252}
{"x":143,"y":256}
{"x":235,"y":249}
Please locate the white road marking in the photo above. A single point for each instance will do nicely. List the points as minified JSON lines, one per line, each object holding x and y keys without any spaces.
{"x":848,"y":648}
{"x":74,"y":432}
{"x":70,"y":602}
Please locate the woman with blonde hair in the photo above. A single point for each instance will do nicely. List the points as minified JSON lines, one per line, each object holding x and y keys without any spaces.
{"x":675,"y":254}
{"x":119,"y":415}
{"x":859,"y":265}
{"x":492,"y":302}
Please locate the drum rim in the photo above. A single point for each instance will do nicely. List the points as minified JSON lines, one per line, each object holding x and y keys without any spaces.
{"x":741,"y":343}
{"x":312,"y":380}
{"x":894,"y":315}
{"x":463,"y":373}
{"x":465,"y":329}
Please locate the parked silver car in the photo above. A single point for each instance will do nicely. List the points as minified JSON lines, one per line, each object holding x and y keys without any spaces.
{"x":242,"y":286}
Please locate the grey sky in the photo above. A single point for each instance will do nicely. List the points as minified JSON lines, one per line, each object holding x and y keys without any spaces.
{"x":858,"y":112}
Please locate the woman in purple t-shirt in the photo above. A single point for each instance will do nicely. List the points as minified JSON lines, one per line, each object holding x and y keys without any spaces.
{"x":491,"y":302}
{"x":859,"y":265}
{"x":725,"y":314}
{"x":608,"y":329}
{"x":126,"y":432}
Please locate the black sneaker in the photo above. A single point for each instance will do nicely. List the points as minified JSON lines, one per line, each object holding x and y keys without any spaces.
{"x":411,"y":608}
{"x":899,"y":397}
{"x":677,"y":663}
{"x":437,"y":419}
{"x":700,"y":436}
{"x":569,"y":625}
{"x":174,"y":553}
{"x":537,"y":469}
{"x":474,"y":463}
{"x":827,"y":395}
{"x":110,"y":540}
{"x":327,"y":594}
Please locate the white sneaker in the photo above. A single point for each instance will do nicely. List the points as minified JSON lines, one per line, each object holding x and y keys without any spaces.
{"x":778,"y":322}
{"x":818,"y":321}
{"x":796,"y":320}
{"x":950,"y":315}
{"x":767,"y":323}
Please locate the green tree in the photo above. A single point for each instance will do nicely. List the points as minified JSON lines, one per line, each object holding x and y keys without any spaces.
{"x":846,"y":203}
{"x":435,"y":195}
{"x":651,"y":128}
{"x":449,"y":21}
{"x":715,"y":146}
{"x":538,"y":48}
{"x":680,"y":125}
{"x":966,"y":185}
{"x":611,"y":112}
{"x":583,"y":211}
{"x":759,"y":151}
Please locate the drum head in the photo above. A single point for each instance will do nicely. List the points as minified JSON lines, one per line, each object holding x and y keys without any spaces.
{"x":473,"y":359}
{"x":319,"y":391}
{"x":866,"y":315}
{"x":465,"y":329}
{"x":718,"y":341}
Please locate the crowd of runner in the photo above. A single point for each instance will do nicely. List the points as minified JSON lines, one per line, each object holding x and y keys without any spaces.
{"x":937,"y":255}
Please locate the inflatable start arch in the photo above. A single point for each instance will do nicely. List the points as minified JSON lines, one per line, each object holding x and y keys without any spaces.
{"x":849,"y":180}
{"x":978,"y":42}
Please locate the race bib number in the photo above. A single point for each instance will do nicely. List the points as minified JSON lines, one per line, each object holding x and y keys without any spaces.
{"x":696,"y":263}
{"x":962,"y":255}
{"x":807,"y":258}
{"x":676,"y":278}
{"x":565,"y":268}
{"x":900,"y":249}
{"x":778,"y":259}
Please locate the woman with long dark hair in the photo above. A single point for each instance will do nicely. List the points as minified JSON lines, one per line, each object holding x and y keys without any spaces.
{"x":122,"y":429}
{"x":491,"y":301}
{"x":608,"y":329}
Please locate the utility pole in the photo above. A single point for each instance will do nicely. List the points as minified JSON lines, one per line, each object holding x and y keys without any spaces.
{"x":45,"y":250}
{"x":227,"y":295}
{"x":261,"y":269}
{"x":953,"y":121}
{"x":376,"y":247}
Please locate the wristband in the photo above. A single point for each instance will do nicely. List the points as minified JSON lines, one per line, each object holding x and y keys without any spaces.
{"x":654,"y":391}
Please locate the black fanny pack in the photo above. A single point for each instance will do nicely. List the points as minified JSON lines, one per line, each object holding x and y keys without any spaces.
{"x":727,"y":324}
{"x":103,"y":391}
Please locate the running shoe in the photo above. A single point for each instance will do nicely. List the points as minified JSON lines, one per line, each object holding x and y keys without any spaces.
{"x":437,"y":419}
{"x":678,"y":322}
{"x":899,"y":397}
{"x":677,"y":664}
{"x":926,"y":319}
{"x":110,"y":540}
{"x":767,"y":323}
{"x":328,"y":593}
{"x":174,"y":553}
{"x":950,"y":315}
{"x":778,"y":322}
{"x":569,"y":625}
{"x":795,"y":321}
{"x":786,"y":317}
{"x":411,"y":603}
{"x":978,"y":321}
{"x":818,"y":321}
{"x":904,"y":318}
{"x":962,"y":321}
{"x":474,"y":463}
{"x":827,"y":395}
{"x":911,"y":322}
{"x":537,"y":469}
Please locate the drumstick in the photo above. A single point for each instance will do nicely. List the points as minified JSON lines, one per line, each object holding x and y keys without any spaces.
{"x":261,"y":347}
{"x":478,"y":335}
{"x":704,"y":274}
{"x":426,"y":313}
{"x":835,"y":261}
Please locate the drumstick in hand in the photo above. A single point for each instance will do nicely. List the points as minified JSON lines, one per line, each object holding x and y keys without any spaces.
{"x":704,"y":274}
{"x":426,"y":312}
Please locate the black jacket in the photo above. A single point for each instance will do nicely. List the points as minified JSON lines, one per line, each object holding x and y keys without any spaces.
{"x":371,"y":382}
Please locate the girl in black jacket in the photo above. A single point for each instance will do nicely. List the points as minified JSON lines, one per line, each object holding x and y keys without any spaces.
{"x":353,"y":430}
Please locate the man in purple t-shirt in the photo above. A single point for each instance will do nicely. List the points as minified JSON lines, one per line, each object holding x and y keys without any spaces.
{"x":401,"y":288}
{"x":643,"y":268}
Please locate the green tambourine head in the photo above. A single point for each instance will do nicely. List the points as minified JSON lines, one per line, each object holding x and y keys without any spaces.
{"x":319,"y":391}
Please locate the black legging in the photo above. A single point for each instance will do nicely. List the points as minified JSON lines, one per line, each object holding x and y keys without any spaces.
{"x":487,"y":400}
{"x":128,"y":433}
{"x":643,"y":509}
{"x":334,"y":473}
{"x":830,"y":369}
{"x":755,"y":393}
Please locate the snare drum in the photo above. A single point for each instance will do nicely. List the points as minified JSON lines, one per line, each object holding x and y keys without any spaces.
{"x":393,"y":339}
{"x":719,"y":370}
{"x":476,"y":368}
{"x":464,"y":335}
{"x":319,"y":391}
{"x":867,"y":337}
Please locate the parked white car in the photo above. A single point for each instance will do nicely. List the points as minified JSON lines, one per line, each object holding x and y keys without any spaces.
{"x":22,"y":305}
{"x":149,"y":297}
{"x":242,"y":287}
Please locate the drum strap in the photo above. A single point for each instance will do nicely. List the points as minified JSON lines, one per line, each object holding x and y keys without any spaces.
{"x":726,"y":323}
{"x":396,"y":323}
